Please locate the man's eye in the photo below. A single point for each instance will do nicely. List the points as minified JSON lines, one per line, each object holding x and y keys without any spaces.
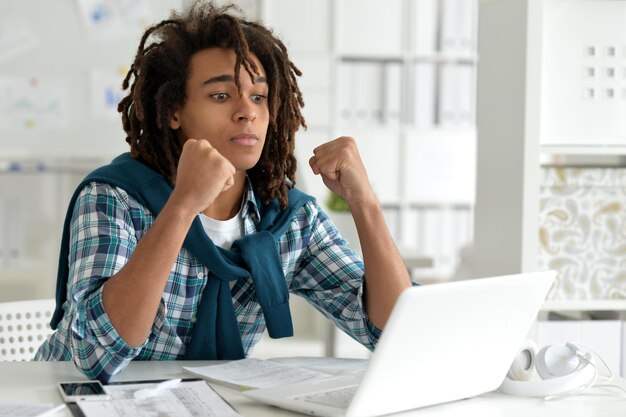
{"x":220,"y":96}
{"x":258,"y":98}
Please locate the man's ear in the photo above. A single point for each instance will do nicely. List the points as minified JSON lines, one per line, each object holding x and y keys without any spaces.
{"x":174,"y":121}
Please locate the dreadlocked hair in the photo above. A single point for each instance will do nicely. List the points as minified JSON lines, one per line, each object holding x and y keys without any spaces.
{"x":159,"y":74}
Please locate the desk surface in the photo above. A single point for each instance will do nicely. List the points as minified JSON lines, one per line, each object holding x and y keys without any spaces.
{"x":36,"y":382}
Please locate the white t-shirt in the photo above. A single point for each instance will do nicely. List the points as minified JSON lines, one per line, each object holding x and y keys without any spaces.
{"x":223,"y":232}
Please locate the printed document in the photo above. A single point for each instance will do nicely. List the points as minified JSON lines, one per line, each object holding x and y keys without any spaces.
{"x":187,"y":399}
{"x":14,"y":409}
{"x":255,"y":373}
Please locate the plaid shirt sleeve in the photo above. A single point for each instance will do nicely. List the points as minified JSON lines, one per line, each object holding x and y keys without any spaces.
{"x":102,"y":239}
{"x":330,"y":275}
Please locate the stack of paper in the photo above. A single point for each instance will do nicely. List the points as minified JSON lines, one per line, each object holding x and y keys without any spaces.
{"x":257,"y":373}
{"x":187,"y":399}
{"x":28,"y":409}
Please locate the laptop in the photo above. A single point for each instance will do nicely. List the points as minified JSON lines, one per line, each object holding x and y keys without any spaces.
{"x":442,"y":342}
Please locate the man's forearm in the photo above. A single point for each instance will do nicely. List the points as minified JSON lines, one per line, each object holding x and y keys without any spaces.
{"x":385,"y":273}
{"x":132,"y":296}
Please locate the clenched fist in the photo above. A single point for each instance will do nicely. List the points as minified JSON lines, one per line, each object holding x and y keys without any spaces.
{"x":202,"y":175}
{"x":342,"y":170}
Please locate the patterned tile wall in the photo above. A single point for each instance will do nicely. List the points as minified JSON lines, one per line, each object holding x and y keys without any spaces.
{"x":583,"y":231}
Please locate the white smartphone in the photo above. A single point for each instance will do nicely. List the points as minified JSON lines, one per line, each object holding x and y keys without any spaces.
{"x":82,"y":391}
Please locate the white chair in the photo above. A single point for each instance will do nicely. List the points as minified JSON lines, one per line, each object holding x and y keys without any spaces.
{"x":23,"y":327}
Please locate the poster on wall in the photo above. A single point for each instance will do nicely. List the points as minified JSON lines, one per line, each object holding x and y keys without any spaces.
{"x":105,"y":20}
{"x":34,"y":103}
{"x":105,"y":92}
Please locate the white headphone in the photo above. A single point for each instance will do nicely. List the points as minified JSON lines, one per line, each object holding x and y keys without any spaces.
{"x":561,"y":368}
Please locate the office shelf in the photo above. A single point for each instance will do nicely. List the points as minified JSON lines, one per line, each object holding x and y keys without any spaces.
{"x":584,"y":305}
{"x":597,"y":149}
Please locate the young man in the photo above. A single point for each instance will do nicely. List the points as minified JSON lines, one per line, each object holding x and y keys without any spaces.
{"x":187,"y":248}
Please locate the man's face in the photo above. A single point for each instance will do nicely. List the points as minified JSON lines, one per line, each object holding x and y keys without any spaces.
{"x":235,"y":124}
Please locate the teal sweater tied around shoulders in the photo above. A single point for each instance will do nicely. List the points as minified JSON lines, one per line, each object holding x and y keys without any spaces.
{"x":216,"y":333}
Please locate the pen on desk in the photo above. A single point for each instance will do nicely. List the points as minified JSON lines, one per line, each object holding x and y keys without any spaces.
{"x":144,"y":393}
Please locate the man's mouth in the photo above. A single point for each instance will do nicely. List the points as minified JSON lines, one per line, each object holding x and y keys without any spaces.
{"x":245,"y":139}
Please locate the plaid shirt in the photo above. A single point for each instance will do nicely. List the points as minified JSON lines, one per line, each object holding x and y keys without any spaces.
{"x":106,"y":226}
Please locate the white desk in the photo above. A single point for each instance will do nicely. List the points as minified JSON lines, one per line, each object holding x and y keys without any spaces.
{"x":36,"y":382}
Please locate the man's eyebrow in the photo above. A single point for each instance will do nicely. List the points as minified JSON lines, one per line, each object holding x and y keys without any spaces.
{"x":229,"y":78}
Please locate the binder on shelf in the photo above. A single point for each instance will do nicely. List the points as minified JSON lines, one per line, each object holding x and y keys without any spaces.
{"x":449,"y":95}
{"x":409,"y":232}
{"x":423,"y":103}
{"x":465,"y":226}
{"x":424,"y":26}
{"x":439,"y":232}
{"x":316,"y":70}
{"x":467,"y":95}
{"x":443,"y":255}
{"x":457,"y":95}
{"x":367,"y":94}
{"x":458,"y":26}
{"x":346,"y":114}
{"x":449,"y":26}
{"x":392,"y":93}
{"x":463,"y":230}
{"x":374,"y":77}
{"x":467,"y":14}
{"x":445,"y":241}
{"x":419,"y":221}
{"x":431,"y":223}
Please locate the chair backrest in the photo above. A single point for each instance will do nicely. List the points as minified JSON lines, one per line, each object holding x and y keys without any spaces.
{"x":23,"y":327}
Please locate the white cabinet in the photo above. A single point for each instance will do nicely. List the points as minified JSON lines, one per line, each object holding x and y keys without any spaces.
{"x":583,"y":89}
{"x":603,"y":337}
{"x":606,"y":337}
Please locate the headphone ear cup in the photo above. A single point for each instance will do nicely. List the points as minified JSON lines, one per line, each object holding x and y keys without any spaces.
{"x":523,"y":366}
{"x":557,"y":360}
{"x":564,"y":369}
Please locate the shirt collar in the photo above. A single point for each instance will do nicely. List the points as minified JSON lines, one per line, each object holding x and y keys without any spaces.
{"x":250,"y":208}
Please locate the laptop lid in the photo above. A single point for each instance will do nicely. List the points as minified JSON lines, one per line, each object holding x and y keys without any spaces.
{"x":442,"y":342}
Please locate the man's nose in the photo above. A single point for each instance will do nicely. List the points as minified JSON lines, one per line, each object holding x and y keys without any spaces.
{"x":245,"y":110}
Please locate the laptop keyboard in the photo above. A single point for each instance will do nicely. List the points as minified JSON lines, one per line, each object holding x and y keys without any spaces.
{"x":339,"y":398}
